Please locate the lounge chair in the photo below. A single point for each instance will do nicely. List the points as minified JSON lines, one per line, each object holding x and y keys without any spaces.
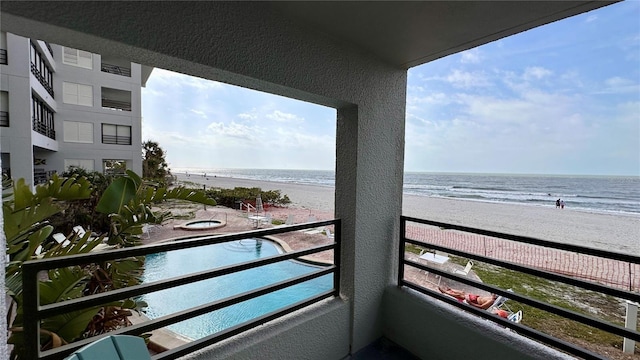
{"x":466,"y":270}
{"x":500,"y":303}
{"x":515,"y":317}
{"x":330,"y":236}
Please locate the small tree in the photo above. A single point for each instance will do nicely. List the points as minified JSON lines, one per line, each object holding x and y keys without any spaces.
{"x":154,"y":165}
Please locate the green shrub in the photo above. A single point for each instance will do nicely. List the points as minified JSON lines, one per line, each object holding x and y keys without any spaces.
{"x":229,"y":197}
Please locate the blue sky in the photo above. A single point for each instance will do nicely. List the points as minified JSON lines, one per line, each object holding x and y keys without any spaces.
{"x":559,"y":99}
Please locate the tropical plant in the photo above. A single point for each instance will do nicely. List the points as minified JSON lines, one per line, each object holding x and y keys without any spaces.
{"x":228,"y":197}
{"x":83,"y":211}
{"x":127,"y":202}
{"x":154,"y":165}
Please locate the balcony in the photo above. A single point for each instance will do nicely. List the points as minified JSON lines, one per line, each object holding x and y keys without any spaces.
{"x":585,"y":272}
{"x":431,"y":237}
{"x":44,"y":129}
{"x":4,"y":118}
{"x":45,"y":82}
{"x":115,"y":69}
{"x":35,"y":312}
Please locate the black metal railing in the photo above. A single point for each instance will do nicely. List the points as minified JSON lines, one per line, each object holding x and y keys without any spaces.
{"x":41,"y":79}
{"x":49,"y":48}
{"x":3,"y":56}
{"x":554,"y":276}
{"x":4,"y":118}
{"x":43,"y":129}
{"x":115,"y":69}
{"x":116,"y":140}
{"x":35,"y":312}
{"x":116,"y":105}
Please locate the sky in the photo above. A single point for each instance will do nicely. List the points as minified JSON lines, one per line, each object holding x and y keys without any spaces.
{"x":563,"y":98}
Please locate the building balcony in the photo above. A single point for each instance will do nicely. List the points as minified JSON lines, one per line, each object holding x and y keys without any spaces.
{"x":44,"y":129}
{"x":41,"y":79}
{"x":3,"y":56}
{"x":116,"y":69}
{"x":418,"y":321}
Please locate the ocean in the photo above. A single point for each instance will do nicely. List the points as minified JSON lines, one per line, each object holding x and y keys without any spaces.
{"x":619,"y":194}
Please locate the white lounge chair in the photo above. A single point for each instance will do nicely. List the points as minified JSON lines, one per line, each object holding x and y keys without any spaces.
{"x":61,"y":239}
{"x":330,"y":236}
{"x":466,"y":270}
{"x":79,"y":230}
{"x":500,"y":303}
{"x":515,"y":317}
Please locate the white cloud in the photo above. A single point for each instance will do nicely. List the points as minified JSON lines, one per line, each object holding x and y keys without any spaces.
{"x":536,"y":72}
{"x":199,"y":113}
{"x":279,"y":116}
{"x":619,"y":85}
{"x":171,"y":79}
{"x":591,"y":18}
{"x":472,"y":56}
{"x":464,"y":79}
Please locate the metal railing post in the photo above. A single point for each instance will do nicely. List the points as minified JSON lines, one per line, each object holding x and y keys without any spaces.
{"x":401,"y":250}
{"x":31,"y":321}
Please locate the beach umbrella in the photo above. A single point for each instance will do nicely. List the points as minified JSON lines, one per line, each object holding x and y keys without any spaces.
{"x":259,"y":207}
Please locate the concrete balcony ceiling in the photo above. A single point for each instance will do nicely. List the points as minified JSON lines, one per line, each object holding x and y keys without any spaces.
{"x":402,"y":34}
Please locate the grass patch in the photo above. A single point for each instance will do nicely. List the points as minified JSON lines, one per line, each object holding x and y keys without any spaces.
{"x":571,"y":298}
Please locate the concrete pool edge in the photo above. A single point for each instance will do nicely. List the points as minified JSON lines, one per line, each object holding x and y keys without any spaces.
{"x":185,"y":226}
{"x":162,"y":339}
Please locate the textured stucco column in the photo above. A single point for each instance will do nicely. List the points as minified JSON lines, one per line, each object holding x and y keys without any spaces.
{"x":369,"y":168}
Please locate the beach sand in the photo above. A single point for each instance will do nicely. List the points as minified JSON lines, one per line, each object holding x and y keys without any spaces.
{"x":608,"y":231}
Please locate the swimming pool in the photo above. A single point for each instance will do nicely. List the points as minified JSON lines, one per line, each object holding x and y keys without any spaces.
{"x":166,"y":265}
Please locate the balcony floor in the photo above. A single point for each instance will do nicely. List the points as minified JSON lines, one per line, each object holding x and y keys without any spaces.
{"x":383,"y":349}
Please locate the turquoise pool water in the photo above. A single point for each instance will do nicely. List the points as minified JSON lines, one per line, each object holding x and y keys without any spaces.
{"x":181,"y":262}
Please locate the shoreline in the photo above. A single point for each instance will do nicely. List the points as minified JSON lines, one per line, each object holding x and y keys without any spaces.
{"x":616,"y":232}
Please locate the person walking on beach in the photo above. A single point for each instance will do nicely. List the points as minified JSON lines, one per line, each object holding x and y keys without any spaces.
{"x":557,"y":203}
{"x":561,"y":204}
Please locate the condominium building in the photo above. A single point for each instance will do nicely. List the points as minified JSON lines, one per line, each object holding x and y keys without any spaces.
{"x":62,"y":107}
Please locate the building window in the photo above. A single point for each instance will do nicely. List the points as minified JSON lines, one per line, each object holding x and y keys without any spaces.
{"x":78,"y":163}
{"x":77,"y":94}
{"x":41,"y":70}
{"x":3,"y":48}
{"x":42,"y":118}
{"x":4,"y":108}
{"x":116,"y":134}
{"x":75,"y":57}
{"x":78,"y":132}
{"x":115,"y":167}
